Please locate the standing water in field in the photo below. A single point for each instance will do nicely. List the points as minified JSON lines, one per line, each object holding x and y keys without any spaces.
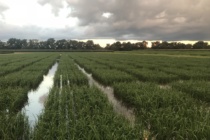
{"x":117,"y":105}
{"x":36,"y":98}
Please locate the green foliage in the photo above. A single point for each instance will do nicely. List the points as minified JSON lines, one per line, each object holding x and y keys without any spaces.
{"x":198,"y":89}
{"x":14,"y":126}
{"x":76,"y":111}
{"x":70,"y":73}
{"x":168,"y":91}
{"x":50,"y":44}
{"x":170,"y":114}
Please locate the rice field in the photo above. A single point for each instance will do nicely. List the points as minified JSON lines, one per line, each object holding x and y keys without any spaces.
{"x":168,"y":92}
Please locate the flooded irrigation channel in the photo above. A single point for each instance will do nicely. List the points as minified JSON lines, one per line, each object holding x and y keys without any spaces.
{"x":118,"y":107}
{"x":36,"y":98}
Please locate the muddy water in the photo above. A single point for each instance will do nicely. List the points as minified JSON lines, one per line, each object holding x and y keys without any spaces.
{"x":37,"y":98}
{"x":117,"y":105}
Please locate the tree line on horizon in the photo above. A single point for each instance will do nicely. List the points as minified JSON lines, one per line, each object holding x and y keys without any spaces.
{"x":51,"y":43}
{"x":127,"y":46}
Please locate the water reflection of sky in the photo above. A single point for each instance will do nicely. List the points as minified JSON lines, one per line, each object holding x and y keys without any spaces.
{"x":117,"y":105}
{"x":36,"y":98}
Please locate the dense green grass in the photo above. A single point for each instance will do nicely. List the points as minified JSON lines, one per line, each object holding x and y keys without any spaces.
{"x":77,"y":111}
{"x":168,"y":90}
{"x":169,"y":106}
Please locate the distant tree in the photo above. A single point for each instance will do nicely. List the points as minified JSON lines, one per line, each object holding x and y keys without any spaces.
{"x":11,"y":43}
{"x":33,"y":44}
{"x":51,"y":43}
{"x":126,"y":46}
{"x":117,"y":46}
{"x":89,"y":44}
{"x":2,"y":45}
{"x":200,"y":45}
{"x":14,"y":43}
{"x":97,"y":47}
{"x":107,"y":47}
{"x":80,"y":45}
{"x":23,"y":43}
{"x":172,"y":45}
{"x":61,"y":44}
{"x":188,"y":46}
{"x":43,"y":45}
{"x":156,"y":45}
{"x":142,"y":45}
{"x":73,"y":44}
{"x":180,"y":45}
{"x":145,"y":43}
{"x":164,"y":45}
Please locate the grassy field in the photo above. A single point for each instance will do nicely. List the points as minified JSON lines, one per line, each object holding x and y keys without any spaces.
{"x":169,"y":92}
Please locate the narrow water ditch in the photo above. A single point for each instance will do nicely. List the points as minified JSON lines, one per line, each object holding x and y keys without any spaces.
{"x":37,"y":98}
{"x":118,"y":106}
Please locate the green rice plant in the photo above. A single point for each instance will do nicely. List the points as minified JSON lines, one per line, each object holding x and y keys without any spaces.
{"x":94,"y":118}
{"x":110,"y":76}
{"x":152,"y":75}
{"x":20,"y":64}
{"x":12,"y":99}
{"x":69,"y":72}
{"x":169,"y":113}
{"x":106,"y":75}
{"x":77,"y":111}
{"x":197,"y":89}
{"x":15,"y":86}
{"x":14,"y":126}
{"x":187,"y":74}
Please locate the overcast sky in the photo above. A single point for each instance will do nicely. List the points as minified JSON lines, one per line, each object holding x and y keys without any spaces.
{"x":105,"y":19}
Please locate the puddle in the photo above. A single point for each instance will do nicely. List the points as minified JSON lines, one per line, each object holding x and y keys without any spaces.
{"x":117,"y":105}
{"x":37,"y":98}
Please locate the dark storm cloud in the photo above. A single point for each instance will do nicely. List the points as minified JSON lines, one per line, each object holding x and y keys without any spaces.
{"x":34,"y":32}
{"x":135,"y":19}
{"x":144,"y":19}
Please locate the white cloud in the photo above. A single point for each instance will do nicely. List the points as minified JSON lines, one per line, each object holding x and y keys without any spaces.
{"x":118,"y":19}
{"x":107,"y":14}
{"x":30,"y":13}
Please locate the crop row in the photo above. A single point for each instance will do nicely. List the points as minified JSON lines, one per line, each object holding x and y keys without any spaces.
{"x":12,"y":59}
{"x":198,"y":89}
{"x":14,"y":87}
{"x":81,"y":113}
{"x":168,"y":112}
{"x":76,"y":111}
{"x":145,"y":61}
{"x":19,"y":63}
{"x":69,"y":72}
{"x":156,"y":69}
{"x":103,"y":73}
{"x":14,"y":126}
{"x":13,"y":94}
